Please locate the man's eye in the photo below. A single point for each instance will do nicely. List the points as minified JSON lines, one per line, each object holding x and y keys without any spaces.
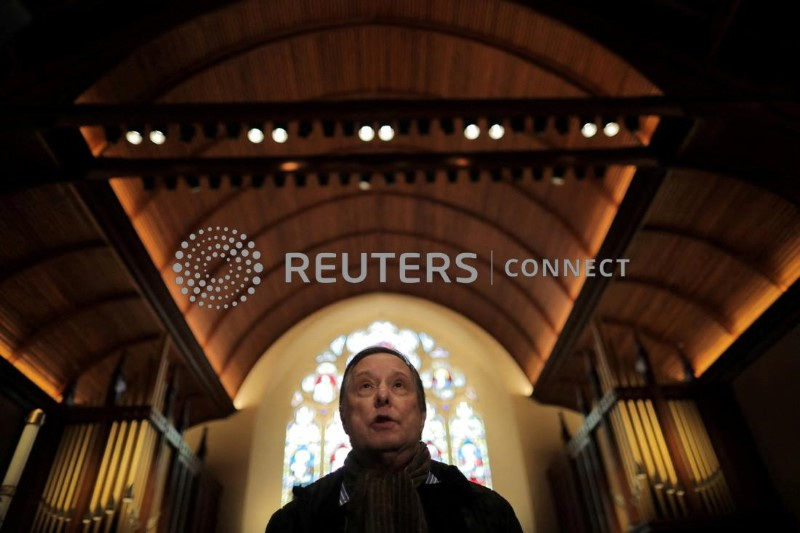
{"x":365,"y":386}
{"x":399,"y":384}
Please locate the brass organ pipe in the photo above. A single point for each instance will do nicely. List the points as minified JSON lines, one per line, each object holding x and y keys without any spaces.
{"x":646,"y":452}
{"x":641,"y":484}
{"x":140,"y":482}
{"x":123,"y":472}
{"x":641,"y":497}
{"x":709,"y":493}
{"x":638,"y":435}
{"x":133,"y":475}
{"x":80,"y":470}
{"x":57,"y":473}
{"x":136,"y":463}
{"x":689,"y":450}
{"x":705,"y":441}
{"x":69,"y":472}
{"x":651,"y":440}
{"x":95,"y":501}
{"x":709,"y":496}
{"x":705,"y":444}
{"x":65,"y":498}
{"x":652,"y":429}
{"x":671,"y":478}
{"x":627,"y":463}
{"x":107,"y":495}
{"x":59,"y":464}
{"x":68,"y":446}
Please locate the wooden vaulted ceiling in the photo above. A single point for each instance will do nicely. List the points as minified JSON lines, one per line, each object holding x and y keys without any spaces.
{"x":709,"y":255}
{"x":368,"y":54}
{"x":71,"y":312}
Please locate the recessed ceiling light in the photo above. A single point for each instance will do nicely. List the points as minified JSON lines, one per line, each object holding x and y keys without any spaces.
{"x":157,"y":136}
{"x":255,"y":135}
{"x":589,"y":129}
{"x":611,"y":128}
{"x":280,"y":135}
{"x":386,"y":133}
{"x":472,"y":131}
{"x":496,"y":131}
{"x":366,"y":133}
{"x":133,"y":137}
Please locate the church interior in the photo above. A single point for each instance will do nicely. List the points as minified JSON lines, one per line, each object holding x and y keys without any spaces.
{"x":579,"y":220}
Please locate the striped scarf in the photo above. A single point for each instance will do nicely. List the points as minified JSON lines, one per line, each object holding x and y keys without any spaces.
{"x":386,"y":503}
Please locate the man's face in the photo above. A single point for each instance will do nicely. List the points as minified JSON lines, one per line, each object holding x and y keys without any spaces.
{"x":380,"y":407}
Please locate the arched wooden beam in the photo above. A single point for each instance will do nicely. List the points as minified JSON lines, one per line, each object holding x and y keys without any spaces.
{"x":419,"y":236}
{"x":679,"y":294}
{"x":49,"y":256}
{"x":213,"y":60}
{"x":46,"y":328}
{"x":276,"y":305}
{"x":717,"y":247}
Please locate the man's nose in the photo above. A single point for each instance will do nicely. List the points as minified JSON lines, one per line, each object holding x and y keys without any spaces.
{"x":382,"y":395}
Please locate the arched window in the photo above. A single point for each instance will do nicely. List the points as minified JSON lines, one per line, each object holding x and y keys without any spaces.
{"x":316,"y":443}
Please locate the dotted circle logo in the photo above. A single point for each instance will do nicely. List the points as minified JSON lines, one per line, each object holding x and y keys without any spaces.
{"x":217,"y":267}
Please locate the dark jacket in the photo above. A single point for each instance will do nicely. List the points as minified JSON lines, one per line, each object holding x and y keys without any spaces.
{"x":454,"y":504}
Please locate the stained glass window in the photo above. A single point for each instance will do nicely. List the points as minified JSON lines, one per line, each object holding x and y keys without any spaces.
{"x":316,"y":443}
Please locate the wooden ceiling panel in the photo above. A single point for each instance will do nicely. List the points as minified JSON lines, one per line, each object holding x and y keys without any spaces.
{"x":724,"y":213}
{"x":666,"y":317}
{"x":712,"y":255}
{"x":48,"y":238}
{"x":533,"y":220}
{"x":279,"y":51}
{"x":703,"y":276}
{"x":68,"y":304}
{"x":222,"y":36}
{"x":376,"y":59}
{"x":63,"y":284}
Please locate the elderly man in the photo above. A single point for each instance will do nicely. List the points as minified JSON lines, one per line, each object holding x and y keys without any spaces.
{"x":389,"y":482}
